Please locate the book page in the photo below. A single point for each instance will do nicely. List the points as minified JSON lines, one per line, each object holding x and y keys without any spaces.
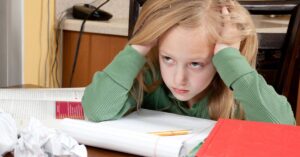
{"x":133,"y":131}
{"x":50,"y":94}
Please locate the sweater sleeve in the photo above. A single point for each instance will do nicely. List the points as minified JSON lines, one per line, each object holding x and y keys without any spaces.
{"x":259,"y":100}
{"x":107,"y":97}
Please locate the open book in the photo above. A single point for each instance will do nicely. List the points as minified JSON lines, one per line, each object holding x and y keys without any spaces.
{"x":132,"y":133}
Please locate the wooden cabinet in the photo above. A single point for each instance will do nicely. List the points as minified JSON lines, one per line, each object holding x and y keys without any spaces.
{"x":95,"y":53}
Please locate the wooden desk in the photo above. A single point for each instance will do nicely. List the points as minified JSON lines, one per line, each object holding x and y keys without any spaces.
{"x":96,"y":152}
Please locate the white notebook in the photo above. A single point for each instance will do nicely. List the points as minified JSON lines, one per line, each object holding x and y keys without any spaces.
{"x":131,"y":134}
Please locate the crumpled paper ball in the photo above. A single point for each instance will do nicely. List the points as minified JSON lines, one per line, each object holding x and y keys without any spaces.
{"x":8,"y":133}
{"x":38,"y":140}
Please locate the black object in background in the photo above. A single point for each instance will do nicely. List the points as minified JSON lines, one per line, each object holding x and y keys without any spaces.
{"x":91,"y":12}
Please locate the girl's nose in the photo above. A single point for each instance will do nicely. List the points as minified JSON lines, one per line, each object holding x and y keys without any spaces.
{"x":180,"y":78}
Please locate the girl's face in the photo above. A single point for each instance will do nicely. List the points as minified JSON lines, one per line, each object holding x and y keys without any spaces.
{"x":185,"y":58}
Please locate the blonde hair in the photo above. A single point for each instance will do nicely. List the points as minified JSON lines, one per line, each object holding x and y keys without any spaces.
{"x":159,"y":16}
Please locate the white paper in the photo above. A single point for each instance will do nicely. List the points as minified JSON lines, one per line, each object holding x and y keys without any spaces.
{"x":131,"y":134}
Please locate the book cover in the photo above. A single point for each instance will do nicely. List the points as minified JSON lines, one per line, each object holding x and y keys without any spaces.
{"x":237,"y":138}
{"x":69,"y":109}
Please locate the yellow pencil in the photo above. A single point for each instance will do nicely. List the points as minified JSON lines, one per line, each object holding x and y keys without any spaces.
{"x":171,"y":133}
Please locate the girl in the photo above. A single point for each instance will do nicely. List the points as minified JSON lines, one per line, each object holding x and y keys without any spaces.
{"x":190,"y":57}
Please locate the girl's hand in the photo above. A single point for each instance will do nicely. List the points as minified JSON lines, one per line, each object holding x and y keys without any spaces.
{"x":229,"y":31}
{"x":144,"y":49}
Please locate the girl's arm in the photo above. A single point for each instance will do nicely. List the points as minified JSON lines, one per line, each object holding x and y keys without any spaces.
{"x":259,"y":100}
{"x":108,"y":97}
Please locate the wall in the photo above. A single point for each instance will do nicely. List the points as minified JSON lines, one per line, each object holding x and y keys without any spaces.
{"x":3,"y":43}
{"x":39,"y":38}
{"x":11,"y":43}
{"x":39,"y":43}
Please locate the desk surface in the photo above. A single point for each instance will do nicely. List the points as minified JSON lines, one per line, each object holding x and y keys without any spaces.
{"x":96,"y":152}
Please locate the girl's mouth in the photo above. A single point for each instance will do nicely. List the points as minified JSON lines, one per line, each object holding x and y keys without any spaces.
{"x":180,"y":91}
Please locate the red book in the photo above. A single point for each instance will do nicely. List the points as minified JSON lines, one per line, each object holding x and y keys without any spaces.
{"x":67,"y":109}
{"x":237,"y":138}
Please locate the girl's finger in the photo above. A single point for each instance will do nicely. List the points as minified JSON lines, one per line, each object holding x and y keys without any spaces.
{"x":225,"y":10}
{"x":225,"y":13}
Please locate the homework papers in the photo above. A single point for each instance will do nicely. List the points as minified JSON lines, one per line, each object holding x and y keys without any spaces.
{"x":131,"y":133}
{"x":39,"y":103}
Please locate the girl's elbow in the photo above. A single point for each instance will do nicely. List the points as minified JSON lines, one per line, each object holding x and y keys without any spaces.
{"x":98,"y":112}
{"x":95,"y":116}
{"x":89,"y":109}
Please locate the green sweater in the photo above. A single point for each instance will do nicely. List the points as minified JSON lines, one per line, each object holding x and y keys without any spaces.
{"x":108,"y":96}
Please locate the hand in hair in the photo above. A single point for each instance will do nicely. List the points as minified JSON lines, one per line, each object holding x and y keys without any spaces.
{"x":229,"y":31}
{"x":144,"y":49}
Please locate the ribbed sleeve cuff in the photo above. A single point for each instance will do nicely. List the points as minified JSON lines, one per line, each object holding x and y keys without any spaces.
{"x":231,"y":65}
{"x":125,"y":66}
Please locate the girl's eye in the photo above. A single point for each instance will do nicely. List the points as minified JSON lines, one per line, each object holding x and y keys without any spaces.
{"x":196,"y":65}
{"x":168,"y":60}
